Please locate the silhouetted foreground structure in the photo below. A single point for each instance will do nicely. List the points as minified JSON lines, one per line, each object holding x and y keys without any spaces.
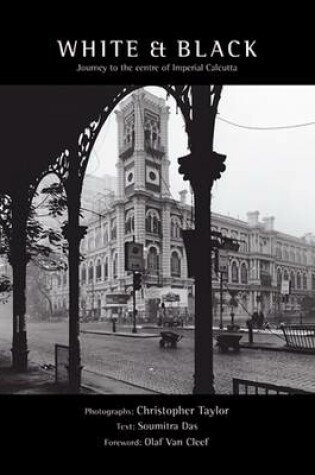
{"x":52,"y":129}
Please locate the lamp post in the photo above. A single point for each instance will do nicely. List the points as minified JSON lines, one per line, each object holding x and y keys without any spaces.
{"x":221,"y":301}
{"x":201,"y":168}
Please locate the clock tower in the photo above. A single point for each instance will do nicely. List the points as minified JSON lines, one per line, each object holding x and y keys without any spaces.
{"x":143,"y":164}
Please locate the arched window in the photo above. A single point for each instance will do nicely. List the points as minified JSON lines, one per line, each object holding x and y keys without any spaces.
{"x":91,"y":272}
{"x":106,"y":268}
{"x":243,"y":273}
{"x":114,"y":230}
{"x":292,"y":254}
{"x":129,"y":126}
{"x":83,"y":274}
{"x":175,"y":265}
{"x":98,"y":269}
{"x":298,"y":280}
{"x":285,"y":275}
{"x":285,"y":254}
{"x":313,"y":281}
{"x":304,"y":281}
{"x":175,"y":228}
{"x":243,"y":243}
{"x":235,"y":272}
{"x":298,"y":256}
{"x":292,"y":280}
{"x":152,"y":222}
{"x":130,"y":222}
{"x":278,"y":251}
{"x":151,"y":130}
{"x":304,"y":258}
{"x":279,"y":278}
{"x":105,"y":235}
{"x":153,"y":259}
{"x":115,"y":266}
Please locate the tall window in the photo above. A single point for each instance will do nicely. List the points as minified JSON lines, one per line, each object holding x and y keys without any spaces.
{"x":298,"y":280}
{"x":292,"y":280}
{"x":106,"y":268}
{"x":152,"y":222}
{"x":115,"y":266}
{"x":313,"y":281}
{"x":304,"y":281}
{"x":243,"y":243}
{"x":279,"y":278}
{"x":175,"y":228}
{"x":98,"y":269}
{"x":243,"y":273}
{"x":114,"y":230}
{"x":83,"y":274}
{"x":153,"y":260}
{"x":91,"y":272}
{"x":278,"y":251}
{"x":175,"y":265}
{"x":234,"y":272}
{"x":129,"y":129}
{"x":151,"y":130}
{"x":130,"y":222}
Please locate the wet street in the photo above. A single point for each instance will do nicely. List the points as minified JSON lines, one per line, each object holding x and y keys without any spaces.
{"x":141,"y":361}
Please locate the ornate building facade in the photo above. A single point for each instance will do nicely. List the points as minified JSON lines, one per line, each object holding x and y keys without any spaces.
{"x":144,"y":211}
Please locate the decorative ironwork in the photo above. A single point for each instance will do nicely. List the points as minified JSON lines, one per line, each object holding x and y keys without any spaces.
{"x":248,"y":387}
{"x":5,"y":211}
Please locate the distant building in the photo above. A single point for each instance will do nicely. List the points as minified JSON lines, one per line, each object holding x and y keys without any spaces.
{"x":143,"y":210}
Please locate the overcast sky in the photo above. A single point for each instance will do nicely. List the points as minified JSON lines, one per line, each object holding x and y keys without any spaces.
{"x":272,"y":171}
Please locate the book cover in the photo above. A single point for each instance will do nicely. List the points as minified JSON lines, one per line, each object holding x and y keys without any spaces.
{"x":157,"y":241}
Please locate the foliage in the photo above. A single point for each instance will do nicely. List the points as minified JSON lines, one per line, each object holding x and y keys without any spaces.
{"x":45,"y":246}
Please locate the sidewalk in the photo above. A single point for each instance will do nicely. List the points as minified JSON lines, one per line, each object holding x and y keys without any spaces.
{"x":35,"y":381}
{"x":41,"y":380}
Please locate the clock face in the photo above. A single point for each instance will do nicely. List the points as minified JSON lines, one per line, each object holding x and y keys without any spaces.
{"x":152,"y":175}
{"x":129,"y":177}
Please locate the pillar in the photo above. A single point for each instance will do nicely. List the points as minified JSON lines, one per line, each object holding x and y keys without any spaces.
{"x":73,"y":232}
{"x":18,"y":261}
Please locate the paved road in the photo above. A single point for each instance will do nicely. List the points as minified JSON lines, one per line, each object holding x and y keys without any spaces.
{"x":141,"y":361}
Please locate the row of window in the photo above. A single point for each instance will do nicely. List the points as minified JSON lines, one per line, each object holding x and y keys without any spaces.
{"x":292,"y":255}
{"x":93,"y":272}
{"x":152,"y":226}
{"x":297,"y":281}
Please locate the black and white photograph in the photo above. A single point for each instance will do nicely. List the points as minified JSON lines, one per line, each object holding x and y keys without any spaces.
{"x":157,"y":243}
